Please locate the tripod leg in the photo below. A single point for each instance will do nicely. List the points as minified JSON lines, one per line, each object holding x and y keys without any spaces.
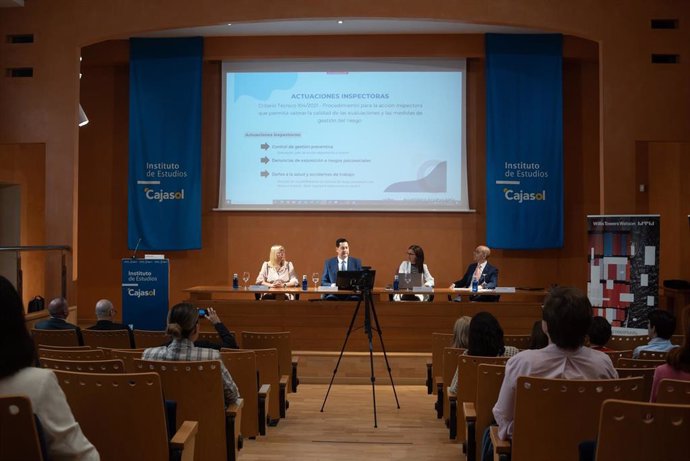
{"x":347,"y":336}
{"x":367,"y":328}
{"x":383,"y":348}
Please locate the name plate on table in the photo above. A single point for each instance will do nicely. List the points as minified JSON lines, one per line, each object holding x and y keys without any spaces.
{"x":325,"y":289}
{"x":258,"y":288}
{"x":423,"y":289}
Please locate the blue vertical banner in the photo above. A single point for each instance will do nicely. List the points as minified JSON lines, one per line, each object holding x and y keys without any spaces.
{"x":524,"y":141}
{"x":145,"y":293}
{"x":164,"y":200}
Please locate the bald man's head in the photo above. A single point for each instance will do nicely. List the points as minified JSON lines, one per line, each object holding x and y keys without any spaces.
{"x":58,"y":308}
{"x":104,"y":309}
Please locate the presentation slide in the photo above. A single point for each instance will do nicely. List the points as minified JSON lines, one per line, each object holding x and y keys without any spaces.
{"x":336,"y":135}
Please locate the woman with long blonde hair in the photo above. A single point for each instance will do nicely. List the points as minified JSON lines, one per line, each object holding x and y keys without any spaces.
{"x":277,"y":272}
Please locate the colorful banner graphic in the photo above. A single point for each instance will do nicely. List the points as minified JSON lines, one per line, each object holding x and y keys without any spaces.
{"x":623,"y":259}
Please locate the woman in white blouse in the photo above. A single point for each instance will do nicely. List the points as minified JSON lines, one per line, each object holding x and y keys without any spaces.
{"x":415,"y":264}
{"x":277,"y":272}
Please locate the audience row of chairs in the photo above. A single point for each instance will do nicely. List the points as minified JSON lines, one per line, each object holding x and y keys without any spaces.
{"x":568,"y":411}
{"x":256,"y":372}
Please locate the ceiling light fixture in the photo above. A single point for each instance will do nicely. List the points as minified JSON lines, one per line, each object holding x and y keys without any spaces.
{"x":83,"y":119}
{"x":340,"y":21}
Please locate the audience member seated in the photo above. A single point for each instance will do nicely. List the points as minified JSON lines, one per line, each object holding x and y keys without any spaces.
{"x":105,"y":312}
{"x":538,"y":339}
{"x":599,"y":334}
{"x":58,"y":310}
{"x":63,"y":435}
{"x":480,"y":270}
{"x":677,"y":366}
{"x":183,"y":327}
{"x":461,"y":332}
{"x":485,"y":340}
{"x":415,"y":265}
{"x":277,"y":272}
{"x":342,"y":262}
{"x":661,"y":327}
{"x":227,"y":339}
{"x":567,"y":316}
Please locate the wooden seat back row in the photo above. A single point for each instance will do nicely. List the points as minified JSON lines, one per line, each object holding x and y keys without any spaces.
{"x":640,"y":431}
{"x":133,"y":405}
{"x":568,"y":414}
{"x":18,"y":432}
{"x":197,"y":387}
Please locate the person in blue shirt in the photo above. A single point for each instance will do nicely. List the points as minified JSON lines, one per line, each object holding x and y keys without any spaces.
{"x":661,"y":327}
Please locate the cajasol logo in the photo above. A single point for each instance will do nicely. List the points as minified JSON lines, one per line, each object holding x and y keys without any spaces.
{"x":522,"y":196}
{"x":137,"y":293}
{"x":159,"y":194}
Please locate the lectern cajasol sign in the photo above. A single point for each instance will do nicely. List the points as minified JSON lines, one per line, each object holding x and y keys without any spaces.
{"x":145,"y":294}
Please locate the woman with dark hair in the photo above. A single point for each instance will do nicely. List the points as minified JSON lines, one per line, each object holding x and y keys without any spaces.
{"x":538,"y":339}
{"x":414,"y":264}
{"x":64,"y":438}
{"x":485,"y":340}
{"x":183,"y":328}
{"x":677,"y":366}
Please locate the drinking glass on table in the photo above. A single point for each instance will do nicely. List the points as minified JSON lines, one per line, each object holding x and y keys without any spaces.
{"x":315,"y":279}
{"x":245,"y":279}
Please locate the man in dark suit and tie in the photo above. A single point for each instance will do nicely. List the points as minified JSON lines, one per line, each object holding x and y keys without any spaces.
{"x":480,"y":269}
{"x":342,"y":262}
{"x":58,"y":311}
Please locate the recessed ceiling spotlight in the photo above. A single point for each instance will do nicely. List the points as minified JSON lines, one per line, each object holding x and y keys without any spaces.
{"x":229,"y":23}
{"x":340,"y":21}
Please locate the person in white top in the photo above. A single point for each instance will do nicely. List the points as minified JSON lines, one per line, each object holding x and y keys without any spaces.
{"x":415,"y":265}
{"x":566,"y":318}
{"x":64,"y":438}
{"x":277,"y":272}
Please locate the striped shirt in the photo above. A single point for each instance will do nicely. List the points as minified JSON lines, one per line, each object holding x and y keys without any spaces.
{"x":183,"y":349}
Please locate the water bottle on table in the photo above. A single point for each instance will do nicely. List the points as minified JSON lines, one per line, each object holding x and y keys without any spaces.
{"x":475,"y":285}
{"x":396,"y":283}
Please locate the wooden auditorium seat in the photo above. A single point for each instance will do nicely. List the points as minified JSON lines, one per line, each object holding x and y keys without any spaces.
{"x":647,"y":374}
{"x":439,"y":341}
{"x":65,"y":348}
{"x":615,"y":355}
{"x":128,"y":356}
{"x":281,"y":342}
{"x":467,"y":390}
{"x":479,"y":415}
{"x":55,"y":337}
{"x":519,"y":341}
{"x":256,"y":394}
{"x":673,"y":391}
{"x":148,"y":338}
{"x":625,"y":362}
{"x":553,"y":416}
{"x":123,"y":416}
{"x":652,"y":355}
{"x":267,"y":364}
{"x":85,"y":366}
{"x":197,"y":387}
{"x":624,"y":343}
{"x":114,"y":339}
{"x":642,"y":431}
{"x":444,"y":380}
{"x":18,"y":432}
{"x":88,"y":354}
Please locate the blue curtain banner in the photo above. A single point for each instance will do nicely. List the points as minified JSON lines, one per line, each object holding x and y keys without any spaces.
{"x":164,"y":188}
{"x":524,"y":141}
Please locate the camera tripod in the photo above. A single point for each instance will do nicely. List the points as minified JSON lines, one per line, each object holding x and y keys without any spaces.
{"x":369,"y":312}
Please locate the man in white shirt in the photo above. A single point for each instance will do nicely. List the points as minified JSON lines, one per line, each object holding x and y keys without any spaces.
{"x":566,"y":318}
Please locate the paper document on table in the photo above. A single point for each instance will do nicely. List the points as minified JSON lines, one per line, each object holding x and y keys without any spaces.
{"x":504,"y":290}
